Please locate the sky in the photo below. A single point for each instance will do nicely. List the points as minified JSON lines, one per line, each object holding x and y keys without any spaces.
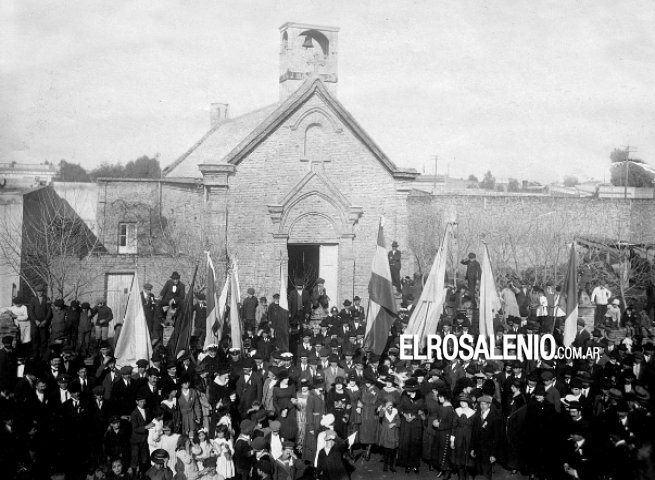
{"x":529,"y":90}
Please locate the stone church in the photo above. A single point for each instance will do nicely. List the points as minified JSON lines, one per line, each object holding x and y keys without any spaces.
{"x":299,"y":184}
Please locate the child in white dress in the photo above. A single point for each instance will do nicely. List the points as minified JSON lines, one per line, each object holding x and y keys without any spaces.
{"x":224,"y":451}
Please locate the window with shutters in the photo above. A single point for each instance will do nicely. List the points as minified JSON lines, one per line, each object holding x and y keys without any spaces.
{"x":127,"y":238}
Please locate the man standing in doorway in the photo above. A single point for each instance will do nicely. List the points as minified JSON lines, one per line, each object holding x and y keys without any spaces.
{"x":300,"y":303}
{"x":394,"y":265}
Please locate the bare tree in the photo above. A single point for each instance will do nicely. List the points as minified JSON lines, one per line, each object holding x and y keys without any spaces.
{"x":45,"y":242}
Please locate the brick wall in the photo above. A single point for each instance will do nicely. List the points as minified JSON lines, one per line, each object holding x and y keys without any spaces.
{"x":528,"y":231}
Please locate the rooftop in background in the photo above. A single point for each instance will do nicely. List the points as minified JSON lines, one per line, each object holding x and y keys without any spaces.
{"x":18,"y":176}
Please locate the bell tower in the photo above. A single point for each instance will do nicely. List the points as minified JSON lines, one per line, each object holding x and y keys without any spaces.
{"x":307,"y":50}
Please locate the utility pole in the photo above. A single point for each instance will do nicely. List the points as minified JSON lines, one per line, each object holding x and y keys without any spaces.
{"x":436,"y":158}
{"x":627,"y":170}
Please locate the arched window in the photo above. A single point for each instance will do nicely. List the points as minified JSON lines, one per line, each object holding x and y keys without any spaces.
{"x":314,"y":141}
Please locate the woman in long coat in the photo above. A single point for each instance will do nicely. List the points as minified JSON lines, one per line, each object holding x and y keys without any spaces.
{"x":338,"y":404}
{"x":355,"y":396}
{"x":368,"y":433}
{"x":443,"y":425}
{"x":190,"y":409}
{"x":514,"y":418}
{"x":412,"y":413}
{"x":314,"y":411}
{"x":300,"y":401}
{"x":461,"y":438}
{"x":429,"y":432}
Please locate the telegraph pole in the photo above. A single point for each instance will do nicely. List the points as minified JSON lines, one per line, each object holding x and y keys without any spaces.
{"x":436,"y":158}
{"x":627,"y":171}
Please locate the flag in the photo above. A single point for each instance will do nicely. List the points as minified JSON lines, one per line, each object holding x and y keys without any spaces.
{"x":425,"y":317}
{"x":134,"y":341}
{"x":570,"y":289}
{"x":181,"y":337}
{"x":235,"y":323}
{"x":215,"y":307}
{"x":381,"y":302}
{"x":489,"y":301}
{"x":284,"y":302}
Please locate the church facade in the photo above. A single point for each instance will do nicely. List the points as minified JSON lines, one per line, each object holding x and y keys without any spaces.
{"x":296,"y":188}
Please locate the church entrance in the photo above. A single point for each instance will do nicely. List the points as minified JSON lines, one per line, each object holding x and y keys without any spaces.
{"x":310,"y":261}
{"x":303,"y":263}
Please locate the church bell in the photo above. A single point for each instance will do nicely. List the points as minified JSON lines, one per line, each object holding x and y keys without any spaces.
{"x":308,"y":42}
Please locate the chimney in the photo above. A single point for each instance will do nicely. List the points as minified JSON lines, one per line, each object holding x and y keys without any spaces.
{"x":218,"y":112}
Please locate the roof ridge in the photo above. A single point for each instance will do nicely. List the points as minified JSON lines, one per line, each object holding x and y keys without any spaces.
{"x":209,"y":133}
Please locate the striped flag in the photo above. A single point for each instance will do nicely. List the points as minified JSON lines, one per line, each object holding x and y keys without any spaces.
{"x":134,"y":341}
{"x":215,"y":307}
{"x":425,"y":317}
{"x":489,"y":301}
{"x":235,"y":323}
{"x":570,"y":289}
{"x":381,"y":302}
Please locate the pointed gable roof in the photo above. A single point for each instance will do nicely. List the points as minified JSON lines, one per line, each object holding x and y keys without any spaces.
{"x":233,"y":140}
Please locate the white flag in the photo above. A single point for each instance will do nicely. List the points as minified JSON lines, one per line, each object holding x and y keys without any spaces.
{"x":489,"y":301}
{"x":425,"y":317}
{"x":134,"y":340}
{"x":235,"y":324}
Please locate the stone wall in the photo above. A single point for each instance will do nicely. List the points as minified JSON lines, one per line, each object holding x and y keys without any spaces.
{"x":524,"y":231}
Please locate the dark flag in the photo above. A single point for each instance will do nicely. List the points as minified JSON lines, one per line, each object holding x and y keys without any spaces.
{"x":181,"y":337}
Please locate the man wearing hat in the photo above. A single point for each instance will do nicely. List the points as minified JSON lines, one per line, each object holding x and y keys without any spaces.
{"x":332,"y":371}
{"x":279,"y":321}
{"x":288,"y":466}
{"x":394,"y":255}
{"x":583,"y":337}
{"x":243,"y":453}
{"x":149,"y":305}
{"x":249,"y":386}
{"x":103,"y":316}
{"x":124,"y":392}
{"x":300,"y":303}
{"x":552,"y":394}
{"x":486,"y":437}
{"x":473,"y":273}
{"x":139,"y":419}
{"x":249,"y":309}
{"x":40,"y":314}
{"x":172,"y":292}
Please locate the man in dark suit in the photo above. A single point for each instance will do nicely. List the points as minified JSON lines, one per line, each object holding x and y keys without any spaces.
{"x":249,"y":386}
{"x":583,"y":338}
{"x":8,"y":363}
{"x":473,"y":273}
{"x":40,"y":314}
{"x":394,"y":256}
{"x":486,"y":441}
{"x":149,"y":305}
{"x":124,"y":392}
{"x":140,"y":418}
{"x":300,"y":303}
{"x":74,"y":417}
{"x":279,"y":321}
{"x":150,"y":391}
{"x":173,"y":290}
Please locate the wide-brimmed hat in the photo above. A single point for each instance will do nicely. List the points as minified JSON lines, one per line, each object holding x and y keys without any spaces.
{"x":411,"y":385}
{"x":175,"y":276}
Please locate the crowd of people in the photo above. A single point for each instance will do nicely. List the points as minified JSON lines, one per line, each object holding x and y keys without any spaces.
{"x":302,"y":398}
